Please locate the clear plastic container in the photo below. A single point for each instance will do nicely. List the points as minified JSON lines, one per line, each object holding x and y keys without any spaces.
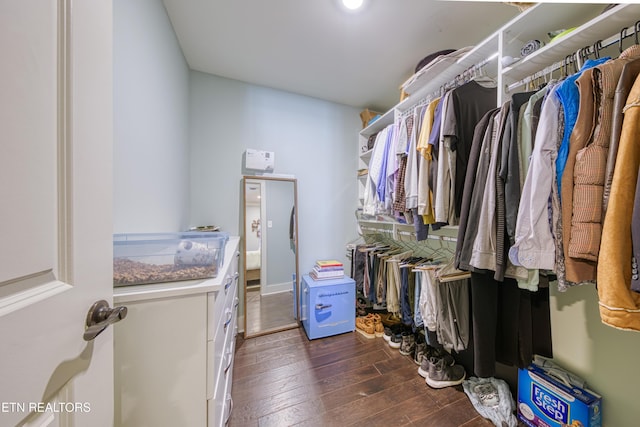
{"x":140,"y":258}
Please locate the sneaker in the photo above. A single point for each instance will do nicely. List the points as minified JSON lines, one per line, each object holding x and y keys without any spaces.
{"x":408,"y":344}
{"x":442,"y":375}
{"x":440,"y":353}
{"x":430,"y":354}
{"x":396,"y":339}
{"x":389,"y":331}
{"x":423,"y":370}
{"x":386,"y":335}
{"x":421,"y":348}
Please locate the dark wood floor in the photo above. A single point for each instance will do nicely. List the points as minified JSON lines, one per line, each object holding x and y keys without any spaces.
{"x":284,"y":379}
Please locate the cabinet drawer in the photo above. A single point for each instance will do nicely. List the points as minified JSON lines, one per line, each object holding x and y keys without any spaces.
{"x":220,"y":406}
{"x":218,"y":302}
{"x":220,"y":351}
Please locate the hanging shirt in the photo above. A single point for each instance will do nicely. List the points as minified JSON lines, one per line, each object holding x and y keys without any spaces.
{"x":534,"y":244}
{"x":392,"y":169}
{"x":371,"y":200}
{"x":434,"y":143}
{"x":382,"y":178}
{"x":526,"y":141}
{"x":483,"y":255}
{"x":468,"y":103}
{"x":425,"y":205}
{"x":464,"y":252}
{"x":411,"y":177}
{"x":443,"y":205}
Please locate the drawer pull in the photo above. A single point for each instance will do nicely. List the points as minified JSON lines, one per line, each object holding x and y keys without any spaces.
{"x":227,"y":284}
{"x":229,"y":357}
{"x":230,"y":409}
{"x":322,"y":306}
{"x":229,"y":317}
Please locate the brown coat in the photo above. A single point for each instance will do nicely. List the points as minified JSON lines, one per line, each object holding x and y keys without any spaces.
{"x":619,"y":305}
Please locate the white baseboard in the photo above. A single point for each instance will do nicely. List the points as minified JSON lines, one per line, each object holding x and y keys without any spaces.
{"x":276,"y":288}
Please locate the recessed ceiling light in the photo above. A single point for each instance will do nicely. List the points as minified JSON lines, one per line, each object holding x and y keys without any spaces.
{"x":352,"y":4}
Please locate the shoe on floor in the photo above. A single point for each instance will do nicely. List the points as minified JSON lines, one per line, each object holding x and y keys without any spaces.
{"x":389,"y":331}
{"x":390,"y":319}
{"x":365,"y":326}
{"x":420,"y":350}
{"x":396,"y":339}
{"x":408,"y":344}
{"x":442,"y":375}
{"x":432,"y":353}
{"x":377,"y":325}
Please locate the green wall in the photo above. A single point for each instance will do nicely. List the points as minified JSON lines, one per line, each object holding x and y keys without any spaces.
{"x":606,"y":357}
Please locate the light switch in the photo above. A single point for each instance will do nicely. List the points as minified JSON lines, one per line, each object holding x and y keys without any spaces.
{"x":269,"y":224}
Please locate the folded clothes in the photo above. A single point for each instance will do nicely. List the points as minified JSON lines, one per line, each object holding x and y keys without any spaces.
{"x":530,"y":47}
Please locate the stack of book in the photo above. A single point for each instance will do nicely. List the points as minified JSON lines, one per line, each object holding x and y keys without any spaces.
{"x":327,"y":269}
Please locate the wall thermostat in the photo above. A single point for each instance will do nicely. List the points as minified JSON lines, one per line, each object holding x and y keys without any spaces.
{"x":259,"y":160}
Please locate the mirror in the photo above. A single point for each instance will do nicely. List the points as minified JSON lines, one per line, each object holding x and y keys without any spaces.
{"x":271,"y":259}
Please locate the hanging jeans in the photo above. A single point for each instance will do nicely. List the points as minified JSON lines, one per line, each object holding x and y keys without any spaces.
{"x":417,"y":316}
{"x":405,"y":303}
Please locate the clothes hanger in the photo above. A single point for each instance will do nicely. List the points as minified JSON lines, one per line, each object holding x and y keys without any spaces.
{"x":449,"y":273}
{"x":623,"y":35}
{"x":596,"y":49}
{"x":482,"y":78}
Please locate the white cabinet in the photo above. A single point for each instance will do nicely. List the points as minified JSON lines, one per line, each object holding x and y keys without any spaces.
{"x":174,"y":351}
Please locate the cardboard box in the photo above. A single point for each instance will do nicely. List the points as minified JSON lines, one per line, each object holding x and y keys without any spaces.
{"x":545,"y":400}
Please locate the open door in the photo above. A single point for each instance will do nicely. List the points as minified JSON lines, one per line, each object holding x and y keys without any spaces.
{"x":55,"y":197}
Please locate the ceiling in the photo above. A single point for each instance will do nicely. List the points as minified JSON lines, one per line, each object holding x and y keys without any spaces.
{"x":317,"y":48}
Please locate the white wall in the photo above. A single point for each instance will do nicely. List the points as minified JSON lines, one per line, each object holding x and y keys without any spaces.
{"x":312,"y":139}
{"x":151,"y":150}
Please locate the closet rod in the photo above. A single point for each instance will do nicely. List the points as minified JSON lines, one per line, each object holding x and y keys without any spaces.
{"x":462,"y":77}
{"x":453,"y":83}
{"x":586,"y":51}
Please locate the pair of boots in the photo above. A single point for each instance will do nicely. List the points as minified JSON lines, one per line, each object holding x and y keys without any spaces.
{"x":370,"y":326}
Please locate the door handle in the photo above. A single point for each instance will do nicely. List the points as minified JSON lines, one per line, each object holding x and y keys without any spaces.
{"x":322,"y":306}
{"x":100,"y":316}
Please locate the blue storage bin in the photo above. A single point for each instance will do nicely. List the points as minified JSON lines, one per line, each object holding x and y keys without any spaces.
{"x":327,"y":306}
{"x":141,"y":258}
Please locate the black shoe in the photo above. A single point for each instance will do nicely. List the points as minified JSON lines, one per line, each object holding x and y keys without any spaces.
{"x":390,"y":331}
